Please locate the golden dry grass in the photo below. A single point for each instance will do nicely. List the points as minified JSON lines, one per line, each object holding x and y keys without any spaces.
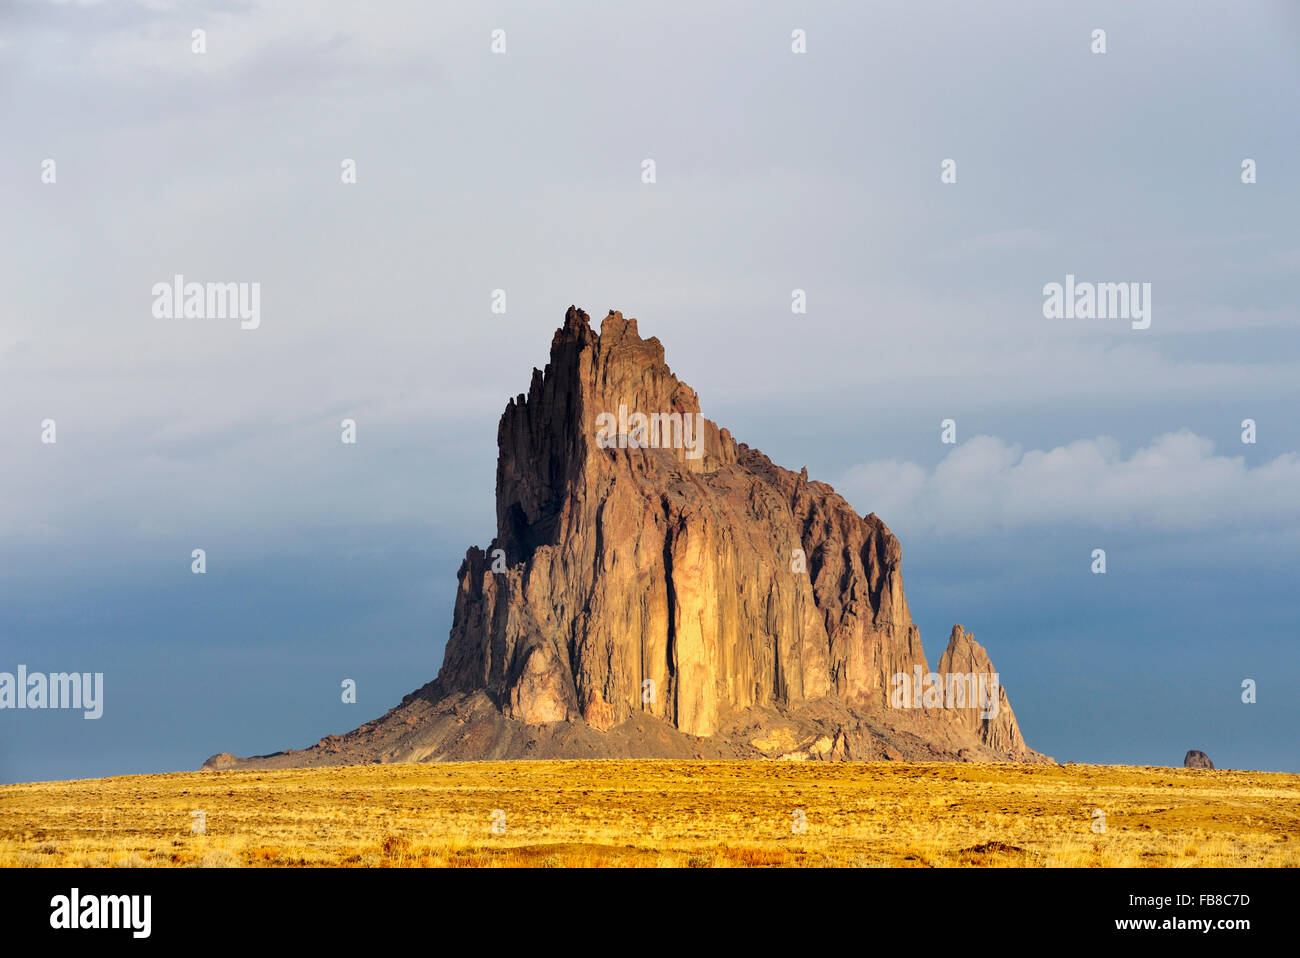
{"x":661,"y":813}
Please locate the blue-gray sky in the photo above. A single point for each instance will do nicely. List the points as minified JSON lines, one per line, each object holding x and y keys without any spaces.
{"x":522,"y":171}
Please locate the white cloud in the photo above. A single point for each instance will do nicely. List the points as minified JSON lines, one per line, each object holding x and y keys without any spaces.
{"x":986,"y":483}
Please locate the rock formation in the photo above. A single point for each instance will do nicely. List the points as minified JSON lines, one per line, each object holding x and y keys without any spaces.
{"x":656,"y":588}
{"x":1197,"y":759}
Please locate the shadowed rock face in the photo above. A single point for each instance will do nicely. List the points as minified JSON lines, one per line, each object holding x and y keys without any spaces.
{"x":636,"y":565}
{"x":686,"y":598}
{"x":1197,"y":759}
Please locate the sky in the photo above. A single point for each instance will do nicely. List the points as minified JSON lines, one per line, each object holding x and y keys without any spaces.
{"x":523,"y":171}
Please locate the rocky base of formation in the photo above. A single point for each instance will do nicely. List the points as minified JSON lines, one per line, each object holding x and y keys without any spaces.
{"x":658,"y":590}
{"x":430,"y":727}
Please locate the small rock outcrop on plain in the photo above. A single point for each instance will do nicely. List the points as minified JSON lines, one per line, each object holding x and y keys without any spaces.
{"x":658,"y":589}
{"x":1197,"y":759}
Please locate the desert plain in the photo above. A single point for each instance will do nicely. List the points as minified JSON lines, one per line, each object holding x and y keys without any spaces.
{"x":698,"y":814}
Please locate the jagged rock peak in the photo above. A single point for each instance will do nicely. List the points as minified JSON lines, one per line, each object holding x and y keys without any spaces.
{"x":676,"y":597}
{"x":718,"y":581}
